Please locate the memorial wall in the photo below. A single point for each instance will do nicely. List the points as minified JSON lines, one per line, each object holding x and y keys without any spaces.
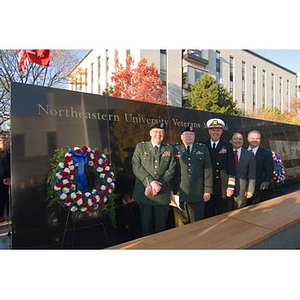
{"x":46,"y":119}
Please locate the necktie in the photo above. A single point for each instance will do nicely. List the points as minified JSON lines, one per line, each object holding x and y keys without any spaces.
{"x":156,"y":149}
{"x":188,"y":149}
{"x":236,"y":159}
{"x":214,"y":145}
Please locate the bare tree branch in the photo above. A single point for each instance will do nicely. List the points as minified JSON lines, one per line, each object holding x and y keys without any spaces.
{"x":56,"y":75}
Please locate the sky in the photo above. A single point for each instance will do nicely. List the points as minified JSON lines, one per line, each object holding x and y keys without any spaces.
{"x":289,"y":58}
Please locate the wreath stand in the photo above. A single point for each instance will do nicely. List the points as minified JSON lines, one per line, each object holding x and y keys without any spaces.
{"x":72,"y":188}
{"x":72,"y":226}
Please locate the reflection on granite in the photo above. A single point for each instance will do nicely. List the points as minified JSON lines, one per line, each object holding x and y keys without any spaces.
{"x":46,"y":119}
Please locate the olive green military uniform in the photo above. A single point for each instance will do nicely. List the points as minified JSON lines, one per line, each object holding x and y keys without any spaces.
{"x":148,"y":166}
{"x":193,"y":178}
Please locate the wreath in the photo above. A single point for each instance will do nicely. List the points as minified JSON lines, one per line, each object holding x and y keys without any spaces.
{"x":278,"y":173}
{"x":69,"y":167}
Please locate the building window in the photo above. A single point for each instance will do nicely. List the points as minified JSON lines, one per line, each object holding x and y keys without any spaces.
{"x":280,"y":93}
{"x":190,"y":76}
{"x":231,"y":61}
{"x":243,"y":82}
{"x":264,"y":88}
{"x":163,"y":66}
{"x":272,"y":90}
{"x":92,"y":77}
{"x":106,"y":68}
{"x":218,"y":67}
{"x":116,"y":57}
{"x":254,"y":89}
{"x":86,"y":79}
{"x":99,"y":73}
{"x":288,"y":94}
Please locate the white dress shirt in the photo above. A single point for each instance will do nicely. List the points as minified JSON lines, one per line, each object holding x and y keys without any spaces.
{"x":239,"y":151}
{"x":212,"y":143}
{"x":254,"y":150}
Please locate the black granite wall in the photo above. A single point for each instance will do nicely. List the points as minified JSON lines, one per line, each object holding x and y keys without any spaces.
{"x":45,"y":119}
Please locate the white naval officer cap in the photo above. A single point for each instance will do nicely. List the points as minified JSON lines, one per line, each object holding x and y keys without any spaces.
{"x":215,"y":123}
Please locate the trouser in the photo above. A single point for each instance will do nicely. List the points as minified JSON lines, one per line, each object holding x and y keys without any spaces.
{"x":216,"y":205}
{"x":153,"y":218}
{"x":191,"y":211}
{"x":4,"y":198}
{"x":254,"y":199}
{"x":236,"y":202}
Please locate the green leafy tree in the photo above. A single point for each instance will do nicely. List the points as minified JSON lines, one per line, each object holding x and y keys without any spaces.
{"x":206,"y":95}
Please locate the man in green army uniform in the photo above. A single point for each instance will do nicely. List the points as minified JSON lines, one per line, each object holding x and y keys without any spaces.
{"x":154,"y":166}
{"x":193,"y":180}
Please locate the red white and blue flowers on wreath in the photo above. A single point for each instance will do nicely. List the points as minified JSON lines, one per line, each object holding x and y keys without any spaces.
{"x":278,"y":173}
{"x":78,"y":197}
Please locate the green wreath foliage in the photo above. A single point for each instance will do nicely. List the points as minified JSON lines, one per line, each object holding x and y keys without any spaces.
{"x":53,"y":199}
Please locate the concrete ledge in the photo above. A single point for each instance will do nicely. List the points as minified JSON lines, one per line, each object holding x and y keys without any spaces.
{"x":273,"y":224}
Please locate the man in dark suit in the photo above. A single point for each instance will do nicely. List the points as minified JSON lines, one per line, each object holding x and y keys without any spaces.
{"x":222,"y":159}
{"x":264,"y":165}
{"x":154,"y":166}
{"x":193,"y":179}
{"x":245,"y":173}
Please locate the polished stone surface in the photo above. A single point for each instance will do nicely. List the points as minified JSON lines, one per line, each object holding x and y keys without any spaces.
{"x":45,"y":119}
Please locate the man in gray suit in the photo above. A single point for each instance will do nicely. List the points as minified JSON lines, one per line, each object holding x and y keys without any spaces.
{"x":154,"y":166}
{"x":264,"y":166}
{"x":245,"y":173}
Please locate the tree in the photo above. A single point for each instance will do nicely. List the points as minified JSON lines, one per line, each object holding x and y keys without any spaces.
{"x":142,"y":83}
{"x":61,"y":64}
{"x":274,"y":114}
{"x":206,"y":95}
{"x":295,"y":106}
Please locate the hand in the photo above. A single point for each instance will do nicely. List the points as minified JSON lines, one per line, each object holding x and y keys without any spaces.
{"x":156,"y":187}
{"x":6,"y":181}
{"x":206,"y":197}
{"x":229,"y":192}
{"x":264,"y":185}
{"x":248,"y":195}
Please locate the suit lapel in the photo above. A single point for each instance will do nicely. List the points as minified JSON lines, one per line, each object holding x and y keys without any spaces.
{"x":162,"y":148}
{"x":219,"y":146}
{"x":183,"y":150}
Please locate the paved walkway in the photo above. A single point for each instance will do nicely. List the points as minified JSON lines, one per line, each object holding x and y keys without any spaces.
{"x":5,"y":236}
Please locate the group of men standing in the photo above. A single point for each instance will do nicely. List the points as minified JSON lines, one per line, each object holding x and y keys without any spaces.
{"x":210,"y":178}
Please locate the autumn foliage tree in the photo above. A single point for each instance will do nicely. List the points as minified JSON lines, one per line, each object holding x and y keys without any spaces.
{"x":274,"y":114}
{"x":142,"y":83}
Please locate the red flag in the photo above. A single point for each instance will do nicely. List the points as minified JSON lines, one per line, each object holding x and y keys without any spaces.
{"x":40,"y":57}
{"x":22,"y":59}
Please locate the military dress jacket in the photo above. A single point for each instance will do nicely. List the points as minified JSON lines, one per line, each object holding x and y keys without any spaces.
{"x":148,"y":166}
{"x":193,"y":173}
{"x":222,"y":160}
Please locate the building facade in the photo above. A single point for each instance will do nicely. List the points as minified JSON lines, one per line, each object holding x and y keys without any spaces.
{"x":254,"y":81}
